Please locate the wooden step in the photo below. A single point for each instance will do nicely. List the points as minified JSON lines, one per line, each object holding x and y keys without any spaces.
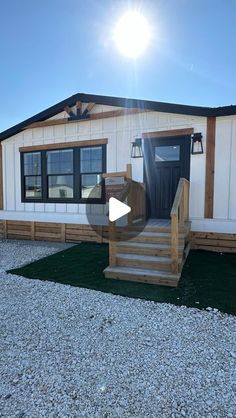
{"x":142,"y":275}
{"x":144,"y":261}
{"x":160,"y":237}
{"x":149,"y":228}
{"x":146,"y":248}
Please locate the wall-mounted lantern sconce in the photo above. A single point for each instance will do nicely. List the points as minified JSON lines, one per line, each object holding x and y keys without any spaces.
{"x":197,"y":147}
{"x":136,"y":150}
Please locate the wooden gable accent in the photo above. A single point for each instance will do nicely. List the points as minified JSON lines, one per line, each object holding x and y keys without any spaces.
{"x":78,"y":115}
{"x":87,"y":117}
{"x":69,"y":111}
{"x":210,"y":167}
{"x":78,"y":107}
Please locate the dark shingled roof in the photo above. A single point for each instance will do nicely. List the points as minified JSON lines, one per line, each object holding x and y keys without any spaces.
{"x":121,"y":102}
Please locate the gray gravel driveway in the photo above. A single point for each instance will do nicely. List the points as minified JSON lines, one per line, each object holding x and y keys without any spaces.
{"x":71,"y":352}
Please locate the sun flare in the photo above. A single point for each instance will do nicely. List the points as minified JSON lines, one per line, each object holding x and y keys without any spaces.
{"x":132,"y":34}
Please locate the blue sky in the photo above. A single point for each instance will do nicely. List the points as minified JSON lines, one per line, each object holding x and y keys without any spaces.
{"x":51,"y":49}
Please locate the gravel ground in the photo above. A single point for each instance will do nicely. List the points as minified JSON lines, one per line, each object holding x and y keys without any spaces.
{"x":70,"y":352}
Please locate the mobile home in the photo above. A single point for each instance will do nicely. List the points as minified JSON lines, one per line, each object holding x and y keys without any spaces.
{"x":59,"y":168}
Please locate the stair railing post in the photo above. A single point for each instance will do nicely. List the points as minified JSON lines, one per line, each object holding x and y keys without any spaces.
{"x":112,"y":244}
{"x":130,"y":195}
{"x":129,"y":171}
{"x":182,"y":204}
{"x":187,"y":200}
{"x":174,"y":243}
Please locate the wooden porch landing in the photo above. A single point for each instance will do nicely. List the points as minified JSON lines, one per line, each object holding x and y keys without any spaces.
{"x":158,"y":223}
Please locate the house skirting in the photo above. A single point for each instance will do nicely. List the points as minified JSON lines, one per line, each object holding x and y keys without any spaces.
{"x":213,"y":241}
{"x":51,"y":231}
{"x":66,"y":232}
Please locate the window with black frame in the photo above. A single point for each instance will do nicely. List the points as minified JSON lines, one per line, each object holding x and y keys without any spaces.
{"x":64,"y":175}
{"x":32,"y":175}
{"x":91,"y":168}
{"x":60,"y":173}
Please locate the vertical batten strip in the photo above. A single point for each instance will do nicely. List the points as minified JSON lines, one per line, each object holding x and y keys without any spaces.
{"x":210,"y":166}
{"x":32,"y":231}
{"x":63,"y":232}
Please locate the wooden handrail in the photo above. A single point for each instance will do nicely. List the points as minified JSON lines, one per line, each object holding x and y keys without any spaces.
{"x":112,"y":225}
{"x":130,"y":194}
{"x":179,"y":215}
{"x":178,"y":195}
{"x":124,"y":193}
{"x":115,"y":174}
{"x":126,"y":174}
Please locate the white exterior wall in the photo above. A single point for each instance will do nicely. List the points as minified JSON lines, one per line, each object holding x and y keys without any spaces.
{"x":120,"y":132}
{"x":224,"y":209}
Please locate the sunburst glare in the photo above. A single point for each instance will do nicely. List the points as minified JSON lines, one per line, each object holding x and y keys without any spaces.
{"x":132,"y":34}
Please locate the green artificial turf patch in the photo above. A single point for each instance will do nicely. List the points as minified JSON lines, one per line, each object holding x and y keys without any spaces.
{"x":208,"y":279}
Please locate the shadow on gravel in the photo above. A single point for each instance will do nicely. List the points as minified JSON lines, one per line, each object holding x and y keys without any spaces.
{"x":208,"y":279}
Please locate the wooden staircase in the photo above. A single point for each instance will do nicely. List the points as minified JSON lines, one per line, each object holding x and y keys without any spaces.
{"x":152,"y":251}
{"x":145,"y":256}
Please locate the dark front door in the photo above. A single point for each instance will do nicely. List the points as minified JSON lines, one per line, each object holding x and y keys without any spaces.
{"x":166,"y":160}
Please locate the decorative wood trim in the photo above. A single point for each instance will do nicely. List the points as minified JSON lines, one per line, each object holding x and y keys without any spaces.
{"x":169,"y":133}
{"x":78,"y":107}
{"x":61,"y":145}
{"x":89,"y":107}
{"x":93,"y":116}
{"x":69,"y":111}
{"x":210,"y":166}
{"x":1,"y":179}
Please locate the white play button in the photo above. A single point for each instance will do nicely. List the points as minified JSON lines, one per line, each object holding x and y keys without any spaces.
{"x":117,"y":209}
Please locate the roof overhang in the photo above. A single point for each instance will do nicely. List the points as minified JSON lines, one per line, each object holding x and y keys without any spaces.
{"x":120,"y":102}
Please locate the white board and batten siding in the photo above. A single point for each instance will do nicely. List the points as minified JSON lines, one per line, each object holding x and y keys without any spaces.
{"x":224,"y":203}
{"x":120,"y":132}
{"x":224,"y":210}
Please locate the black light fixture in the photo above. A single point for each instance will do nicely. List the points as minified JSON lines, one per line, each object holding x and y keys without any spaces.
{"x":197,"y":147}
{"x":136,"y":150}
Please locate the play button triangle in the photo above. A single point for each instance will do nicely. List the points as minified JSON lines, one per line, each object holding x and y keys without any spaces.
{"x":117,"y":209}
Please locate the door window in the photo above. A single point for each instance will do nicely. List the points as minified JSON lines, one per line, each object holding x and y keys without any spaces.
{"x":167,"y":153}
